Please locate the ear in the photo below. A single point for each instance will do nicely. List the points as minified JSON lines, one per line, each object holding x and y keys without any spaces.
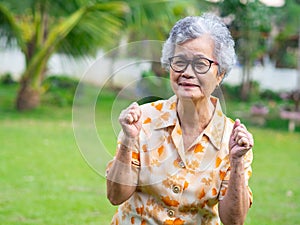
{"x":220,"y":78}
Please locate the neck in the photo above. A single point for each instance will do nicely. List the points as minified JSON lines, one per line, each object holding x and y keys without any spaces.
{"x":194,"y":116}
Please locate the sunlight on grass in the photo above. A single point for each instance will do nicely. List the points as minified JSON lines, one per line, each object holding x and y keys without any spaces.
{"x":274,"y":182}
{"x":45,"y":180}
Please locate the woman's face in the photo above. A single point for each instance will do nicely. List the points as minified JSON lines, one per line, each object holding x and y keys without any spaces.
{"x":188,"y":83}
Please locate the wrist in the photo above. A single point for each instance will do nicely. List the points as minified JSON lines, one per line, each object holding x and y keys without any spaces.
{"x":236,"y":161}
{"x":128,"y":141}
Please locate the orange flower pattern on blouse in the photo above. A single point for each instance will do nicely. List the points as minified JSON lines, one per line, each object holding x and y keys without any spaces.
{"x":176,"y":185}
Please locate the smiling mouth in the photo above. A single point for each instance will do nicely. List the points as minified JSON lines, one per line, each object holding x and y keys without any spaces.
{"x":185,"y":84}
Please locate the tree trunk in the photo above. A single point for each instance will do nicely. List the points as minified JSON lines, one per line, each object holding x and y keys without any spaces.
{"x":30,"y":91}
{"x":245,"y":89}
{"x":246,"y":84}
{"x":28,"y":97}
{"x":298,"y":80}
{"x":111,"y":83}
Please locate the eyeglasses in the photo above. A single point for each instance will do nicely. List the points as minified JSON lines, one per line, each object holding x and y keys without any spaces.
{"x":199,"y":64}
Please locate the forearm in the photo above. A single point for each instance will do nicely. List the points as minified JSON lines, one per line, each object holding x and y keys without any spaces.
{"x":122,"y":177}
{"x":234,"y":206}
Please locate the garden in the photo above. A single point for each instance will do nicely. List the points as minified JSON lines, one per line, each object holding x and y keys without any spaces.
{"x":44,"y":179}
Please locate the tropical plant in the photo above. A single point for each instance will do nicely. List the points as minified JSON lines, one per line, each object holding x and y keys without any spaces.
{"x":42,"y":27}
{"x":250,"y":25}
{"x":287,"y":42}
{"x":147,"y":20}
{"x":152,"y":20}
{"x":79,"y":27}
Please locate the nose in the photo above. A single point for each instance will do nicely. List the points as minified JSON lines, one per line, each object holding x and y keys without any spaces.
{"x":189,"y":72}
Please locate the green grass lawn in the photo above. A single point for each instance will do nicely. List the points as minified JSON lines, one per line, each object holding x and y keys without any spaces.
{"x":45,"y":180}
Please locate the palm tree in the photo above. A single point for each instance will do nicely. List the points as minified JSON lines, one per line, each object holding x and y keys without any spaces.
{"x":152,"y":20}
{"x":42,"y":27}
{"x":147,"y":20}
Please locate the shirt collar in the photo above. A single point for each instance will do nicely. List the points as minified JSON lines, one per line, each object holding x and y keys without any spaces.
{"x":214,"y":130}
{"x":168,"y":116}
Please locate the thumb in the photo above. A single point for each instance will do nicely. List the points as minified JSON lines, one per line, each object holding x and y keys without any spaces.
{"x":237,"y":122}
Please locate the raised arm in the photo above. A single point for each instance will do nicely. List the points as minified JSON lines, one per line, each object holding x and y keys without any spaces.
{"x":122,"y":176}
{"x":234,"y":206}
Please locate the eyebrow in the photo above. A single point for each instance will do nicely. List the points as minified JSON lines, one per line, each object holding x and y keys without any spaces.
{"x":194,"y":56}
{"x":200,"y":56}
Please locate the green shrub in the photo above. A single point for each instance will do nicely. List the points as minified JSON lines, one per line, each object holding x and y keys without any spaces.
{"x":59,"y":90}
{"x":7,"y":79}
{"x":270,"y":95}
{"x":231,"y":92}
{"x":151,"y":87}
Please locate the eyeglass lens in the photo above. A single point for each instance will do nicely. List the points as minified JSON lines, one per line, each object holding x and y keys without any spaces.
{"x":199,"y":64}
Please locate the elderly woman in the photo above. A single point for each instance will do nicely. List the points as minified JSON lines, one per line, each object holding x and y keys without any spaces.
{"x":181,"y":160}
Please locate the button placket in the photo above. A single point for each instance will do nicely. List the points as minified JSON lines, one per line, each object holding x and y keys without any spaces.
{"x":171,"y":213}
{"x":181,"y":164}
{"x":176,"y":189}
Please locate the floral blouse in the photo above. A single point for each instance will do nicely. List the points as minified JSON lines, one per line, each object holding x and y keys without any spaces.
{"x":176,"y":185}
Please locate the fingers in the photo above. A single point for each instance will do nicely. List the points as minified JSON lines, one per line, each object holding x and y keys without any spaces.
{"x":243,"y":142}
{"x":237,"y":122}
{"x":240,"y":135}
{"x":130,"y":115}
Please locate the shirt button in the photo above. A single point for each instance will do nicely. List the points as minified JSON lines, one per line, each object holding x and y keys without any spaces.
{"x":171,"y":213}
{"x":176,"y":189}
{"x":181,"y":164}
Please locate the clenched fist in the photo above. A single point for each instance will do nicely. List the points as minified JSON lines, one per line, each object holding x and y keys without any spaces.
{"x":241,"y":140}
{"x":130,"y":120}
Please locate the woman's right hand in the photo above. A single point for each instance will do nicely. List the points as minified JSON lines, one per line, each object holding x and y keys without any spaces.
{"x":130,"y":120}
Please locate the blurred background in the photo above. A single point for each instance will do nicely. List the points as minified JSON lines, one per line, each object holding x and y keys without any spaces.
{"x":48,"y":47}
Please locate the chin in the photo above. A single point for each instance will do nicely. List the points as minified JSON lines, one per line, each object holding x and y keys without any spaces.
{"x":189,"y":95}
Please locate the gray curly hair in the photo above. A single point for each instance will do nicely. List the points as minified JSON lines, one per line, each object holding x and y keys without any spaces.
{"x":192,"y":27}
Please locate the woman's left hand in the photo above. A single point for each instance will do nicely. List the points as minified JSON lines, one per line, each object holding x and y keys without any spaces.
{"x":241,"y":140}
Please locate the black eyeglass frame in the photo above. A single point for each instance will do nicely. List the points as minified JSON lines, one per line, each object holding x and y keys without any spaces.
{"x":192,"y":63}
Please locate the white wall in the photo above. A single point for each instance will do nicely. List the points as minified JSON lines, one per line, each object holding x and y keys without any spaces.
{"x":127,"y":70}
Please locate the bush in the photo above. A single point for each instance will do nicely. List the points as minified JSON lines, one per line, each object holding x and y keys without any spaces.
{"x":231,"y":92}
{"x":7,"y":79}
{"x":151,"y":87}
{"x":59,"y":90}
{"x":270,"y":95}
{"x":61,"y":82}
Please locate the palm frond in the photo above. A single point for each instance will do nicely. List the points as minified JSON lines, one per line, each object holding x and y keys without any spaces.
{"x":10,"y":29}
{"x":99,"y":28}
